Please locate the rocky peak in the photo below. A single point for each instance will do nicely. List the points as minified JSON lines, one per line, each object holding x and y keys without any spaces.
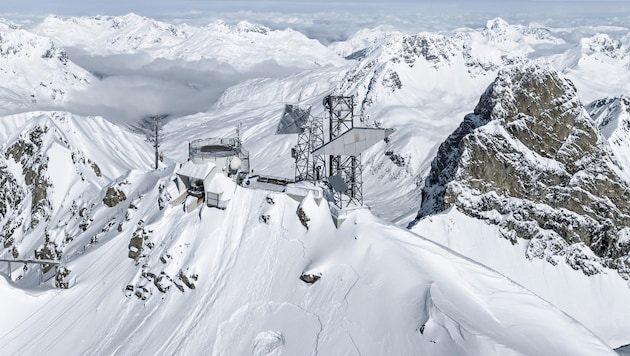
{"x":603,"y":43}
{"x":435,"y":49}
{"x":499,"y":30}
{"x":530,"y":160}
{"x":248,"y":27}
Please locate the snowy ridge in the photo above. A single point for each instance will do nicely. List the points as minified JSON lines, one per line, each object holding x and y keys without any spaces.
{"x":6,"y":25}
{"x":53,"y":171}
{"x":107,"y":34}
{"x":499,"y":31}
{"x":250,"y":269}
{"x":35,"y":70}
{"x":242,"y":45}
{"x":357,"y":46}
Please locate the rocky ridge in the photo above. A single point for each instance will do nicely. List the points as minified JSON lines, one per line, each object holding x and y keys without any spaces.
{"x":390,"y":59}
{"x":530,"y":160}
{"x":53,"y":185}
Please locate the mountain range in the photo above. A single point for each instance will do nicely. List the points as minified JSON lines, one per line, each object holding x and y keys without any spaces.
{"x":497,"y":217}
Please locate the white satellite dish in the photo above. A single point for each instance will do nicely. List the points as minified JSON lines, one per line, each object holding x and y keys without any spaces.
{"x":235,"y":164}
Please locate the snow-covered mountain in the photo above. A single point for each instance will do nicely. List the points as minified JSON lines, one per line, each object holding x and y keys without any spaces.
{"x":533,"y":184}
{"x":597,"y":64}
{"x":235,"y":276}
{"x":34,"y":70}
{"x":117,"y":34}
{"x":612,"y":117}
{"x":530,"y":160}
{"x":242,"y":45}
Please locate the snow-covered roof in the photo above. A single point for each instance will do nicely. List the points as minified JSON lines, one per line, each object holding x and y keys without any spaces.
{"x":199,"y":171}
{"x":221,"y":184}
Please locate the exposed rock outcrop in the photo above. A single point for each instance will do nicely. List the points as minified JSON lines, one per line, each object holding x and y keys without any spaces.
{"x":530,"y":160}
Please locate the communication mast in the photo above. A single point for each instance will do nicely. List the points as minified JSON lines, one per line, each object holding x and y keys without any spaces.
{"x":336,"y":160}
{"x":343,"y":149}
{"x":298,"y":120}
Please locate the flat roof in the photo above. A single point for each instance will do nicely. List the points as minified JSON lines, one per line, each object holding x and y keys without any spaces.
{"x":353,"y":141}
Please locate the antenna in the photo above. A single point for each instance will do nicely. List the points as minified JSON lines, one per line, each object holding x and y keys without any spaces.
{"x":337,"y":160}
{"x":297,"y":119}
{"x":238,"y":134}
{"x":344,"y":148}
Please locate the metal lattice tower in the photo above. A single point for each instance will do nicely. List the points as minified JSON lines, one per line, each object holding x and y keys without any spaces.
{"x":329,"y":149}
{"x":317,"y":163}
{"x":301,"y":153}
{"x":298,"y":120}
{"x":340,"y":116}
{"x":349,"y":169}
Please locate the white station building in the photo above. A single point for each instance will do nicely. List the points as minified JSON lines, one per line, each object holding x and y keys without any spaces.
{"x":209,"y":176}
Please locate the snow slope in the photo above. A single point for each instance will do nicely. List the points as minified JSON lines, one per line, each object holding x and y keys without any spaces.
{"x":34,"y":70}
{"x":599,"y":302}
{"x":247,"y":296}
{"x":54,"y":168}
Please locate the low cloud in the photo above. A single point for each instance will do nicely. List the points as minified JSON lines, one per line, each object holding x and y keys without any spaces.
{"x":132,"y":86}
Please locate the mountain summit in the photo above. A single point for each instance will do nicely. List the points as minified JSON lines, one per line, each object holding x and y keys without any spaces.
{"x":530,"y":160}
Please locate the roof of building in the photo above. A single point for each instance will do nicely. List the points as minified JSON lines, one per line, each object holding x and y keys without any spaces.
{"x":193,"y":170}
{"x":353,"y":141}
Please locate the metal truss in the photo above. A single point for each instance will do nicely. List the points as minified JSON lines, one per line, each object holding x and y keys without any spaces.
{"x":340,"y":113}
{"x":349,"y":169}
{"x":307,"y":165}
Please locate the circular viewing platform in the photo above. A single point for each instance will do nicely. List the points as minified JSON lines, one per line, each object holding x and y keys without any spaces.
{"x":218,"y":150}
{"x":213,"y":148}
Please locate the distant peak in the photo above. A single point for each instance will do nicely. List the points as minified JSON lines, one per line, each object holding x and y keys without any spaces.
{"x":497,"y":24}
{"x":245,"y":26}
{"x":133,"y":16}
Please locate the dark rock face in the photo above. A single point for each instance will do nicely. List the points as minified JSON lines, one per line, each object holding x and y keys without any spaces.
{"x":113,"y":197}
{"x":530,"y":160}
{"x":28,"y":152}
{"x":310,"y":278}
